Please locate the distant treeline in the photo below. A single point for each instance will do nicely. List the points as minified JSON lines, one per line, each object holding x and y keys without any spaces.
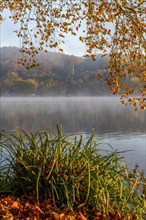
{"x":57,"y":74}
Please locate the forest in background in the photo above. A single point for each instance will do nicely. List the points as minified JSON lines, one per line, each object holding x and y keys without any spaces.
{"x":57,"y":75}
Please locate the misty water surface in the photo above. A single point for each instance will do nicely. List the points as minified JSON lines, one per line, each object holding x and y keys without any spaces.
{"x":119,"y":125}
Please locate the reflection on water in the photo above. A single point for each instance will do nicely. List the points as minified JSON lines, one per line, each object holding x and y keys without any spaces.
{"x":134,"y":144}
{"x":106,"y":115}
{"x":120,"y":125}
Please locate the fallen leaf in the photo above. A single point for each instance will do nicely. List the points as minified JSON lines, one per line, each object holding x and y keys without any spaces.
{"x":81,"y":216}
{"x":15,"y":205}
{"x":55,"y":215}
{"x":69,"y":217}
{"x":61,"y":215}
{"x":38,"y":209}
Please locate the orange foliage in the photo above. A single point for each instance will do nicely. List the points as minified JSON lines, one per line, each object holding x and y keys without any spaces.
{"x":124,"y":43}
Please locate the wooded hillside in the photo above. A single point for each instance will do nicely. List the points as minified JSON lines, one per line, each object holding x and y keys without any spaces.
{"x":57,"y":74}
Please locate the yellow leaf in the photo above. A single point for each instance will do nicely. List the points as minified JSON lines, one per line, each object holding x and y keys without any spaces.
{"x":98,"y":76}
{"x":61,"y":50}
{"x":82,"y":217}
{"x":15,"y":205}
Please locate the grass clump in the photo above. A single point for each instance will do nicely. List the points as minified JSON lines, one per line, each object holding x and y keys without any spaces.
{"x":70,"y":172}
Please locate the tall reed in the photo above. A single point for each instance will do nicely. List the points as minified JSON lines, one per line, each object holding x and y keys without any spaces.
{"x":70,"y":171}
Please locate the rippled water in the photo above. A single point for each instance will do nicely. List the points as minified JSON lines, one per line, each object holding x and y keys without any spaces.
{"x":119,"y":125}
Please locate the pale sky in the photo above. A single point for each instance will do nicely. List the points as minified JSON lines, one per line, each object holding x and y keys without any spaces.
{"x":72,"y":45}
{"x":8,"y":37}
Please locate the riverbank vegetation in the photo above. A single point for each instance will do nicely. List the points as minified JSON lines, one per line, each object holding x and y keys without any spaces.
{"x":47,"y":175}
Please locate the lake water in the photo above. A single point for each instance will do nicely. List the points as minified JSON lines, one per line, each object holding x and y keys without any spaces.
{"x":118,"y":125}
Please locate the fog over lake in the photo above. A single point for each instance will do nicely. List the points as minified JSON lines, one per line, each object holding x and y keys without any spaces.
{"x":121,"y":126}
